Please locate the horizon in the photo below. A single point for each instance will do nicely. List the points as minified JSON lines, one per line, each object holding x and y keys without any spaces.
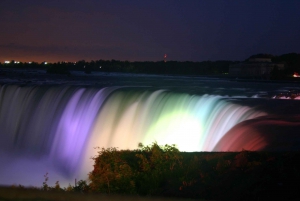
{"x":65,"y":61}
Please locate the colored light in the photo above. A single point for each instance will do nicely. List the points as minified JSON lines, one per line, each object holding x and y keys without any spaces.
{"x":181,"y":129}
{"x":61,"y":126}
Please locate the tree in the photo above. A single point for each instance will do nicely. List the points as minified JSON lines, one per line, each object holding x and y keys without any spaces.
{"x":111,"y":173}
{"x":158,"y":167}
{"x":149,"y":170}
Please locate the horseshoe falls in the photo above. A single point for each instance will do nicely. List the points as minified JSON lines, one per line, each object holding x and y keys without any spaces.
{"x":55,"y":129}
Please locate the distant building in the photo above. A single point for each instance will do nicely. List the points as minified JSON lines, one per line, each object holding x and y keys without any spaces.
{"x":255,"y":67}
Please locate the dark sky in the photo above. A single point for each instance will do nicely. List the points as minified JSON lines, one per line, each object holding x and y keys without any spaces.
{"x":140,"y":30}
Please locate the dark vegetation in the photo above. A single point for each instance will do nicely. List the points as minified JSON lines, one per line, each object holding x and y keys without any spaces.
{"x":291,"y":61}
{"x":147,"y":67}
{"x":163,"y":171}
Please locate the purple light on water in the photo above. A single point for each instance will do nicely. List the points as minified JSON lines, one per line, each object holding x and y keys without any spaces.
{"x":74,"y":127}
{"x":44,"y":129}
{"x":55,"y":129}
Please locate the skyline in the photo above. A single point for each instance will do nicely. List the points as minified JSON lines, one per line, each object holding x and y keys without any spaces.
{"x":146,"y":31}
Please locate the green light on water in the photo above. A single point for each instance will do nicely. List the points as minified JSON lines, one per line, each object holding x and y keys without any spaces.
{"x":180,"y":128}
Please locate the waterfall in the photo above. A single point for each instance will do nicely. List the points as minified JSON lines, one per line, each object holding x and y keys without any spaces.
{"x":61,"y":125}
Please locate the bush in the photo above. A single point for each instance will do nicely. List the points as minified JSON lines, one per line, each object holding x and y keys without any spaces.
{"x":164,"y":171}
{"x":142,"y":171}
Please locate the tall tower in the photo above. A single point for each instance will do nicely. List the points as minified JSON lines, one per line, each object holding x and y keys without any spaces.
{"x":165,"y":58}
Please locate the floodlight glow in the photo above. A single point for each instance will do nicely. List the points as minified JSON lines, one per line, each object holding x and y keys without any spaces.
{"x":67,"y":123}
{"x":180,"y":128}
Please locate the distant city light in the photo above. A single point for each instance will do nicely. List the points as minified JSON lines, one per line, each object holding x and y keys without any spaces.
{"x":6,"y":62}
{"x":29,"y":62}
{"x":45,"y":63}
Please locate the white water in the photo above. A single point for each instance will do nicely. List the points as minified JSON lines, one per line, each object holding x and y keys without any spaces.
{"x":55,"y":129}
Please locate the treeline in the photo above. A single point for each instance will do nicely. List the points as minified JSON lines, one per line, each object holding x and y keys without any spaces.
{"x":164,"y":171}
{"x":147,"y":67}
{"x":291,"y":61}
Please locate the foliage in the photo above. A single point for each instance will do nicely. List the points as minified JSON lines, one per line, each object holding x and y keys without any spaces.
{"x":111,"y":173}
{"x":45,"y":186}
{"x":165,"y":171}
{"x":115,"y":172}
{"x":156,"y":170}
{"x":81,"y":186}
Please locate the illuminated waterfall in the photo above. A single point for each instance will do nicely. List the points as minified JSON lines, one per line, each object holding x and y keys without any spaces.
{"x":64,"y":124}
{"x":193,"y":123}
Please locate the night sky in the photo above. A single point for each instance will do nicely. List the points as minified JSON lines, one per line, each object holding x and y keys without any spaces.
{"x":138,"y":30}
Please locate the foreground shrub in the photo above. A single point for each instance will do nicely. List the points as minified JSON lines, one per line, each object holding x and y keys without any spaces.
{"x":164,"y":171}
{"x":145,"y":171}
{"x":111,"y":173}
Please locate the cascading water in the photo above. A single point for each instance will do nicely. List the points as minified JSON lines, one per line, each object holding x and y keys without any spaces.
{"x":61,"y":126}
